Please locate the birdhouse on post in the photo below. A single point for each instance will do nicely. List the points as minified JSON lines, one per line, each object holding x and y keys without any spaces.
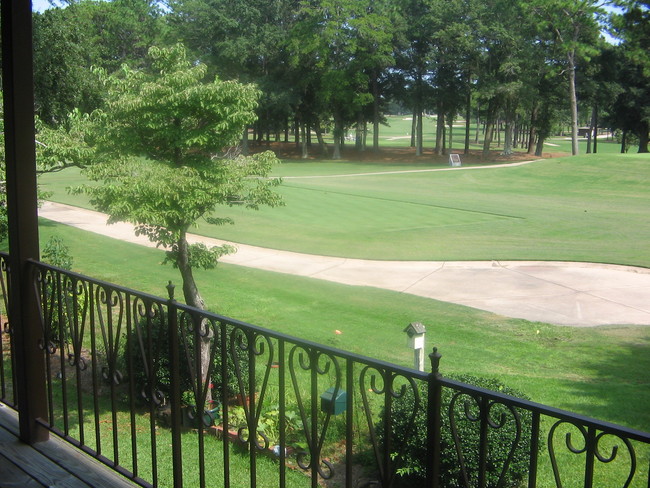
{"x":415,"y":339}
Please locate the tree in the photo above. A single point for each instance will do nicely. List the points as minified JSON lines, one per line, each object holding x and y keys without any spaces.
{"x":163,"y":129}
{"x":632,"y":26}
{"x":630,"y":108}
{"x":411,"y":81}
{"x":179,"y":123}
{"x":630,"y":111}
{"x":572,"y":26}
{"x":245,"y":40}
{"x":346,"y":43}
{"x":70,"y":41}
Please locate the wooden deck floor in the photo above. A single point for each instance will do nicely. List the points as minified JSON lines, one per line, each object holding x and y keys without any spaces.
{"x":50,"y":463}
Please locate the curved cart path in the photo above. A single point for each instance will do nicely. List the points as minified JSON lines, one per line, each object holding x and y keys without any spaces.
{"x":577,"y":294}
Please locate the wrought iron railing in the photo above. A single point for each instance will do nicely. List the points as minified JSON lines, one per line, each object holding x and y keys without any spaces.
{"x":173,"y":396}
{"x":7,"y":368}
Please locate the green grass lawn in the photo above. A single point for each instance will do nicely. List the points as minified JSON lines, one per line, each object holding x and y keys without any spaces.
{"x":586,"y":208}
{"x":600,"y":372}
{"x":591,"y":208}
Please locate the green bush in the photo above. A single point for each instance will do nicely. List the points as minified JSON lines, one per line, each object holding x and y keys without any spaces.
{"x":410,"y":445}
{"x":59,"y":303}
{"x":158,"y":336}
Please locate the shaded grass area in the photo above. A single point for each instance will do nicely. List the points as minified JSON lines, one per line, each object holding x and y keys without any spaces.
{"x":589,"y":208}
{"x":151,"y":457}
{"x":600,"y":372}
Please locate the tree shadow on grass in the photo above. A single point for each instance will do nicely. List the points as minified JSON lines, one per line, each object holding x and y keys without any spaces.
{"x":619,"y":391}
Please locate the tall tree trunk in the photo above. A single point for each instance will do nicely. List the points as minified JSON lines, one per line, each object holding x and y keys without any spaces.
{"x":489,"y":128}
{"x":574,"y":103}
{"x":515,"y":132}
{"x":319,"y":135}
{"x":303,"y":141}
{"x":478,"y":123}
{"x":468,"y":115}
{"x":643,"y":134}
{"x":193,"y":298}
{"x":375,"y":114}
{"x":296,"y":132}
{"x":358,"y":136}
{"x":440,"y":129}
{"x":539,"y":149}
{"x":498,"y":129}
{"x":338,"y":135}
{"x":594,"y":123}
{"x":365,"y":134}
{"x":531,"y":133}
{"x":487,"y":139}
{"x":414,"y":126}
{"x":509,"y":131}
{"x":418,"y":137}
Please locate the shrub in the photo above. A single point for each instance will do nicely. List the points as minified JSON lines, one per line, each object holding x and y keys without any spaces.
{"x":56,"y":253}
{"x":59,"y":303}
{"x":158,"y":337}
{"x":412,"y":444}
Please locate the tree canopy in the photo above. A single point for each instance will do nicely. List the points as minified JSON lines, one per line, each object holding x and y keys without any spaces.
{"x":336,"y":64}
{"x":167,"y":133}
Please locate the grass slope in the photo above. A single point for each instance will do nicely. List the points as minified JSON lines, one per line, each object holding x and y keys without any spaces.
{"x":587,"y":208}
{"x":601,"y":372}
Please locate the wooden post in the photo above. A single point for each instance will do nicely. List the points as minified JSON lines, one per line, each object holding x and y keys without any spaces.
{"x":17,"y":78}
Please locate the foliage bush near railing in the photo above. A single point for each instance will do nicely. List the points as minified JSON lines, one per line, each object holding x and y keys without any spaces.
{"x":509,"y":443}
{"x":156,"y":332}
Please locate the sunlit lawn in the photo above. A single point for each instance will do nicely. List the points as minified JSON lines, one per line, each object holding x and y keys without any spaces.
{"x":600,"y":372}
{"x":587,"y":208}
{"x":590,"y":208}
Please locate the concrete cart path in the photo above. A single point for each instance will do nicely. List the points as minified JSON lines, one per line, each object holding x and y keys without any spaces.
{"x":577,"y":294}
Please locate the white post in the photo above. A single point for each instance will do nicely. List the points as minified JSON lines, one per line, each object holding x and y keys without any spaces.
{"x":419,"y":359}
{"x":415,"y":339}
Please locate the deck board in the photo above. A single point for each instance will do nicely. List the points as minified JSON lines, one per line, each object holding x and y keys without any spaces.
{"x":53,"y":463}
{"x":13,"y":476}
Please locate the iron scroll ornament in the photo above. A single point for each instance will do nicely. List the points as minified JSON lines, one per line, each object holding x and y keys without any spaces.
{"x":318,"y":364}
{"x":197,"y":334}
{"x":590,"y":448}
{"x":76,"y":310}
{"x":387,"y":389}
{"x":486,"y":422}
{"x":254,"y":346}
{"x":150,"y":315}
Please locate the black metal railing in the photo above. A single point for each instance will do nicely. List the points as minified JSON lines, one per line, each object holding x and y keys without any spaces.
{"x":7,"y":368}
{"x":168,"y":395}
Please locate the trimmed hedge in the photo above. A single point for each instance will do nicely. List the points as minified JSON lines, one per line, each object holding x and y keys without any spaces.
{"x":410,"y":444}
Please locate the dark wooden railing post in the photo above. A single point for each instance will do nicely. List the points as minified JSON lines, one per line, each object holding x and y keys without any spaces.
{"x":434,"y":420}
{"x":22,"y":211}
{"x":175,"y":382}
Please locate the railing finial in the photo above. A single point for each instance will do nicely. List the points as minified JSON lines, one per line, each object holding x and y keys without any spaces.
{"x":170,"y":289}
{"x":435,"y":361}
